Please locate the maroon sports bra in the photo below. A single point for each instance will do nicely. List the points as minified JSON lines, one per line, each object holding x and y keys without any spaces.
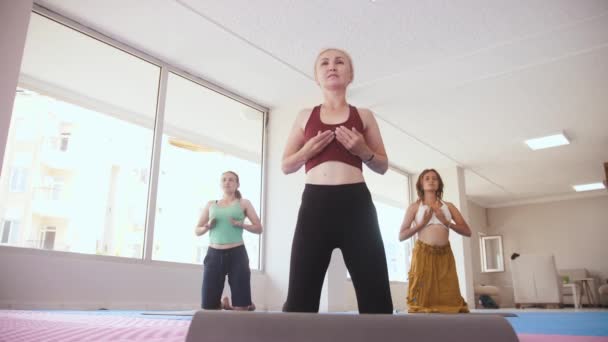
{"x":334,"y":151}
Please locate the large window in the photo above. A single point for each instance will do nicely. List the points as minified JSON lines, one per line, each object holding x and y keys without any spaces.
{"x":78,"y":163}
{"x":87,"y":187}
{"x":81,"y":127}
{"x":391,"y":196}
{"x":205,"y":134}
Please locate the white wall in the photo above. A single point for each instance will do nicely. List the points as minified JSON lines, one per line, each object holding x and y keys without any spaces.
{"x":478,"y":221}
{"x":14,"y":19}
{"x":455,"y":191}
{"x":282,"y":203}
{"x":33,"y":279}
{"x":574,"y":231}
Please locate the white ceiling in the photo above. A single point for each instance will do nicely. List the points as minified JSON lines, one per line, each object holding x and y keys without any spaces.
{"x":453,"y":83}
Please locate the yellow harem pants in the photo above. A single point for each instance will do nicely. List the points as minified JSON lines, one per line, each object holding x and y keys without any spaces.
{"x":433,"y":282}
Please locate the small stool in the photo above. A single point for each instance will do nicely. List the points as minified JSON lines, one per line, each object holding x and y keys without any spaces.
{"x":489,"y":290}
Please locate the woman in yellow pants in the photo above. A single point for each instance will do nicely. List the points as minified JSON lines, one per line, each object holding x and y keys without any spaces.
{"x":433,"y":282}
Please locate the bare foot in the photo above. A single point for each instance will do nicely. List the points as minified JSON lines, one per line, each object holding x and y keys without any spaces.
{"x":226,"y":304}
{"x":245,"y":308}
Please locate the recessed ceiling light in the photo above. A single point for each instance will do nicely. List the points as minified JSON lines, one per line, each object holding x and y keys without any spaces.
{"x":548,"y":141}
{"x":589,"y":187}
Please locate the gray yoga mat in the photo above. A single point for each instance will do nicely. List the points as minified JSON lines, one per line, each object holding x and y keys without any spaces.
{"x":218,"y":326}
{"x":192,"y":312}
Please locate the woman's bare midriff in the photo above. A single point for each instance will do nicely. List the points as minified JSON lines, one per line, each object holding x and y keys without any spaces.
{"x":226,"y":246}
{"x":434,"y":235}
{"x":334,"y":173}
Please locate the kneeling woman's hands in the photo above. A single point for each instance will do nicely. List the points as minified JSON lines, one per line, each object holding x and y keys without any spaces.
{"x":236,"y":223}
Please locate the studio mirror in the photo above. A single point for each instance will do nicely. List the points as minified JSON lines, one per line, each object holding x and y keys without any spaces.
{"x":491,"y":254}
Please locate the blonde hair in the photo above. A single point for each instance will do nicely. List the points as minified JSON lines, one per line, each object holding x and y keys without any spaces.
{"x":350,"y":62}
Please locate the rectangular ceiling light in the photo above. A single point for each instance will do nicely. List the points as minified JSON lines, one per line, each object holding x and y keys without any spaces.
{"x":589,"y":187}
{"x":548,"y":141}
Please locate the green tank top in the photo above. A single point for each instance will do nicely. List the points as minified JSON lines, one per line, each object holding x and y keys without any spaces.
{"x":224,"y":232}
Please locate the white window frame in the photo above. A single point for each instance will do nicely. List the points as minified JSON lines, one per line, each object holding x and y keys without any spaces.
{"x":409,"y":244}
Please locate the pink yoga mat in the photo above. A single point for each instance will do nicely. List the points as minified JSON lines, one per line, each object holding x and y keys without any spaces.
{"x":560,"y":338}
{"x":26,"y":326}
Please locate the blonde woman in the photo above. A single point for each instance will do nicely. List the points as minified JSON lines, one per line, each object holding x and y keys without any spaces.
{"x":332,"y":141}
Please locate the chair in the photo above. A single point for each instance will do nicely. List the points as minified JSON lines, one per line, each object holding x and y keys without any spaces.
{"x":571,"y":290}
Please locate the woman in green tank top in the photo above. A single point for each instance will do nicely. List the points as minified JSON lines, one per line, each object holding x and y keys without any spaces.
{"x":224,"y":219}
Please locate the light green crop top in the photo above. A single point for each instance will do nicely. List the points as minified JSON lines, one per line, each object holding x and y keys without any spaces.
{"x":224,"y":232}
